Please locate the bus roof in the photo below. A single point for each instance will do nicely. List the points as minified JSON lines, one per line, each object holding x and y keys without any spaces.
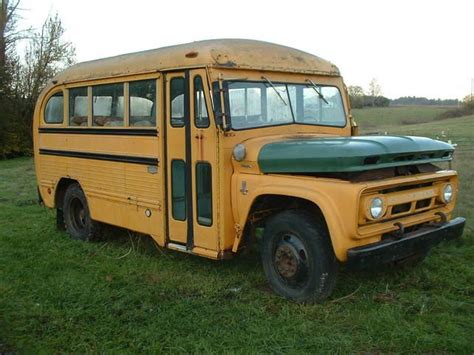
{"x":220,"y":53}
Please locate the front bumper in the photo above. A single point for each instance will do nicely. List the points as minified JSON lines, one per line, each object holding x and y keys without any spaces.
{"x":409,"y":244}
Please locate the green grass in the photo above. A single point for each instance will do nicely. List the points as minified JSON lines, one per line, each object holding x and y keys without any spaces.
{"x":125,"y":294}
{"x":396,"y":116}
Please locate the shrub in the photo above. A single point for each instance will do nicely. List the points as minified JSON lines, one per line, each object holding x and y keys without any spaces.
{"x":466,"y":109}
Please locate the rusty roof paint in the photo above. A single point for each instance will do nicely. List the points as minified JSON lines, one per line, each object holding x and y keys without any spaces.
{"x":224,"y":53}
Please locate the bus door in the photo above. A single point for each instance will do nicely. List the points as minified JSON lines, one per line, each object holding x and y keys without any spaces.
{"x":191,"y":157}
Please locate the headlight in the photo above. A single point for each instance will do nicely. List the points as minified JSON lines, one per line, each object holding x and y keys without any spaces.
{"x":376,"y":208}
{"x":447,"y":193}
{"x":239,"y":152}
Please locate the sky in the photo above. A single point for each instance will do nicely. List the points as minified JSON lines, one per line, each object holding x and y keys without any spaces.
{"x":412,"y":48}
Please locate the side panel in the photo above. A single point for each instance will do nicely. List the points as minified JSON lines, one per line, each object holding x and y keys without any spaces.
{"x":117,"y":193}
{"x":118,"y":168}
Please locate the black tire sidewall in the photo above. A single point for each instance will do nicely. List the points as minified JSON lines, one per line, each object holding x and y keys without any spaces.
{"x":322,"y":264}
{"x":74,"y":191}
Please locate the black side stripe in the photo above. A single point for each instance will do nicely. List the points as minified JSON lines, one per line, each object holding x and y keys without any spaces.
{"x":100,"y":156}
{"x":101,"y":131}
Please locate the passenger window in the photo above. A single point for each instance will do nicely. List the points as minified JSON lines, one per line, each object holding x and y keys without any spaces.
{"x":107,"y":105}
{"x":204,"y":193}
{"x":201,"y":117}
{"x":142,"y":103}
{"x":78,"y":107}
{"x":54,"y":112}
{"x":178,"y":189}
{"x":177,"y":102}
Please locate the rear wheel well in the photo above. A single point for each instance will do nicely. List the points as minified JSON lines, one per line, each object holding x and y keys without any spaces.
{"x":266,"y":206}
{"x":61,"y":189}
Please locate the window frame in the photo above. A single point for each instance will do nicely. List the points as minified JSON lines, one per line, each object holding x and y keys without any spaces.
{"x":205,"y":103}
{"x":170,"y":103}
{"x":156,"y":102}
{"x":276,"y":83}
{"x":185,"y":190}
{"x":88,"y":108}
{"x":109,"y":81}
{"x":124,"y":109}
{"x":52,"y":94}
{"x":198,"y":163}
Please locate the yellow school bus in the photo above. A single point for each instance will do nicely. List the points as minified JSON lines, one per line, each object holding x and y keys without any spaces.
{"x":207,"y":145}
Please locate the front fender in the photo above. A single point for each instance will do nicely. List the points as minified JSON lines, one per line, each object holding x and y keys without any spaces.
{"x":338,"y":201}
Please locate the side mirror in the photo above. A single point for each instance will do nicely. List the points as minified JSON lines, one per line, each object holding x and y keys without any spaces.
{"x":354,"y":127}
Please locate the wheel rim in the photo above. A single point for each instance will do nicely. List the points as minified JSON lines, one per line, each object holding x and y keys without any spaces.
{"x":290,"y":261}
{"x":78,"y":214}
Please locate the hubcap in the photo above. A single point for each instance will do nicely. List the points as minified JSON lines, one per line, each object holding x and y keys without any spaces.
{"x":286,"y":260}
{"x":290,"y":260}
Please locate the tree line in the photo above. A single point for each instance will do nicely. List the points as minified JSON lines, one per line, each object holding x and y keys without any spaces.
{"x":23,"y":74}
{"x":415,"y":100}
{"x":372,"y":97}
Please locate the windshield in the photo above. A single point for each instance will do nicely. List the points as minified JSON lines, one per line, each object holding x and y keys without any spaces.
{"x":257,"y":104}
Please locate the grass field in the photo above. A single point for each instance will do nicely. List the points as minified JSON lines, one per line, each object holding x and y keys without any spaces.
{"x":125,"y":294}
{"x":370,"y":118}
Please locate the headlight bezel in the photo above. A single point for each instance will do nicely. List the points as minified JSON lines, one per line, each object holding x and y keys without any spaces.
{"x":443,"y":193}
{"x":370,"y":206}
{"x":239,"y":152}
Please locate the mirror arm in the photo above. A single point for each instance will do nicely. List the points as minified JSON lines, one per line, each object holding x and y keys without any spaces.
{"x":222,"y":116}
{"x":352,"y":122}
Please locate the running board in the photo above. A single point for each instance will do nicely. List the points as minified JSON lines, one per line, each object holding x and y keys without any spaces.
{"x":178,"y":247}
{"x":211,"y":254}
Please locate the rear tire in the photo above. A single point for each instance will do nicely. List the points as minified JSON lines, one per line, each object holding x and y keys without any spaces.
{"x":77,"y":218}
{"x":298,"y":258}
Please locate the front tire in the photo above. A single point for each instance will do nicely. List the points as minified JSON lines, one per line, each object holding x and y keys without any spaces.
{"x":298,"y":258}
{"x":77,"y":218}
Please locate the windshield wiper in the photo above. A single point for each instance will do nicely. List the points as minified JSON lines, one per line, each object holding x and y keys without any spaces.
{"x":315,"y":88}
{"x":274,"y":88}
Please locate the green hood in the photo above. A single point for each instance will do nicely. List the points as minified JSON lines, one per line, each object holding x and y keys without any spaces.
{"x":349,"y":154}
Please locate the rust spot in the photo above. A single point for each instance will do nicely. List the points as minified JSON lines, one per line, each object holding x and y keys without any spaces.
{"x":192,"y":54}
{"x":229,"y":64}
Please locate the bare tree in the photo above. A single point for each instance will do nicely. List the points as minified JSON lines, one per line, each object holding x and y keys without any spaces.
{"x":9,"y":34}
{"x":8,"y":38}
{"x":46,"y":55}
{"x":374,"y":90}
{"x":7,"y":27}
